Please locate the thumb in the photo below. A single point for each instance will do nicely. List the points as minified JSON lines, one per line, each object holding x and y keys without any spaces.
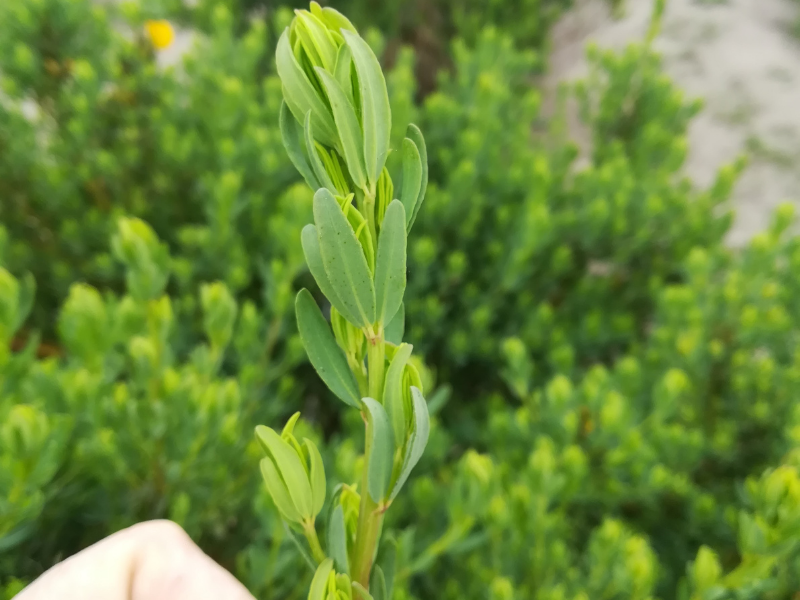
{"x":154,"y":560}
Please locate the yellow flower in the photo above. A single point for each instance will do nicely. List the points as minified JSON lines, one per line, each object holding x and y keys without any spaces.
{"x":160,"y":32}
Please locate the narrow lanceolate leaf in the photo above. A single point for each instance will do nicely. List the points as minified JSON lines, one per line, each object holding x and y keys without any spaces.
{"x":380,"y":444}
{"x":314,"y":34}
{"x":412,"y":177}
{"x":290,"y":468}
{"x":310,"y":241}
{"x":344,"y":260}
{"x":390,"y":265}
{"x":376,"y":115}
{"x":336,"y":20}
{"x":347,"y":125}
{"x":278,"y":491}
{"x":387,"y":559}
{"x":311,"y":150}
{"x":378,"y":584}
{"x":395,"y":328}
{"x":316,"y":476}
{"x":337,"y":540}
{"x":300,"y":95}
{"x":343,"y":72}
{"x":415,"y":135}
{"x":417,"y":442}
{"x":393,"y":392}
{"x":292,"y":134}
{"x":324,"y":353}
{"x":320,"y":581}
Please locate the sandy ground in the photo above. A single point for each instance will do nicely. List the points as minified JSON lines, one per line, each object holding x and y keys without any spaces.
{"x":741,"y":57}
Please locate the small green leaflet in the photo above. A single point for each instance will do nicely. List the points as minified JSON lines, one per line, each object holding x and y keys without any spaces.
{"x":336,"y":20}
{"x":381,"y":449}
{"x":316,"y":38}
{"x":343,"y":73}
{"x":324,"y":353}
{"x":393,"y":392}
{"x":390,"y":265}
{"x":376,"y":114}
{"x":320,"y":581}
{"x":310,"y":242}
{"x":290,"y":468}
{"x":395,"y":328}
{"x":344,"y":260}
{"x":301,"y":97}
{"x":387,"y":559}
{"x":417,"y":441}
{"x":415,"y":135}
{"x":337,"y":540}
{"x":278,"y":491}
{"x":378,"y":584}
{"x":347,"y":124}
{"x":316,"y":164}
{"x":291,"y":134}
{"x":412,"y":177}
{"x":316,"y":477}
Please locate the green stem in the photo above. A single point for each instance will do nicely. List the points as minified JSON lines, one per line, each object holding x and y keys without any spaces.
{"x":313,"y":541}
{"x":370,"y":522}
{"x":376,"y":359}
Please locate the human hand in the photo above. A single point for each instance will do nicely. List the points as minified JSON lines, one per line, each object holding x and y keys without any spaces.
{"x":154,"y":560}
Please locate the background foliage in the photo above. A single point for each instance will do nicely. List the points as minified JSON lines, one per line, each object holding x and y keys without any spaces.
{"x":615,"y":413}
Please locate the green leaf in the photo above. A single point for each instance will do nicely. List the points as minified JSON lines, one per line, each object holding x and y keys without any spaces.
{"x":277,"y":489}
{"x":316,"y":39}
{"x":291,"y":470}
{"x":319,"y":584}
{"x":344,"y":73}
{"x":337,"y":540}
{"x":394,"y":329}
{"x":310,"y":242}
{"x":439,"y":398}
{"x":300,"y":95}
{"x":316,"y":476}
{"x":393,"y":392}
{"x":387,"y":559}
{"x":316,"y":164}
{"x":347,"y":124}
{"x":412,"y":177}
{"x":415,"y":135}
{"x":417,"y":441}
{"x":324,"y":353}
{"x":336,"y":20}
{"x":390,"y":265}
{"x":378,"y":584}
{"x":344,"y":260}
{"x":380,"y":449}
{"x":290,"y":132}
{"x":376,"y":114}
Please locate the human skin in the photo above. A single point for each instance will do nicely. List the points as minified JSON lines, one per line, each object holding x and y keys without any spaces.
{"x":154,"y":560}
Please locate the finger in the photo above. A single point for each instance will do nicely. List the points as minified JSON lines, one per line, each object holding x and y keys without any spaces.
{"x":155,"y":560}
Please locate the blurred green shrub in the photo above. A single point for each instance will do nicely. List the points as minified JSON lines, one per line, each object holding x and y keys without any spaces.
{"x":622,"y":422}
{"x":672,"y":472}
{"x":519,"y":240}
